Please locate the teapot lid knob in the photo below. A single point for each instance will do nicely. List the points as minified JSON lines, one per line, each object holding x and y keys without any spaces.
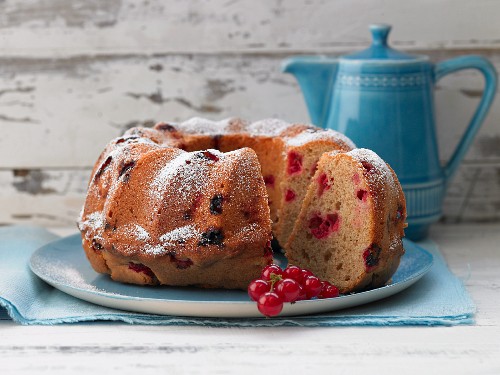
{"x":379,"y":50}
{"x":380,"y":33}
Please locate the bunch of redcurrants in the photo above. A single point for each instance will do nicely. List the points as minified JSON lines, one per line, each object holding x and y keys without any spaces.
{"x":277,"y":286}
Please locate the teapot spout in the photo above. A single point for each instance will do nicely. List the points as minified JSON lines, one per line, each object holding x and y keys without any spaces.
{"x":316,"y":75}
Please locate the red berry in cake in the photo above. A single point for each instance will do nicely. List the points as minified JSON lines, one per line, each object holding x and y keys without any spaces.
{"x":96,"y":245}
{"x":294,"y":162}
{"x":207,"y":155}
{"x":141,"y":268}
{"x":213,"y":236}
{"x":270,"y":304}
{"x":362,"y":195}
{"x":269,"y":180}
{"x":216,"y":204}
{"x":287,"y":289}
{"x":125,"y":170}
{"x":103,"y":166}
{"x":269,"y":270}
{"x":371,"y":257}
{"x":322,"y":227}
{"x":323,"y":183}
{"x":257,"y":288}
{"x":181,"y":264}
{"x":367,"y":166}
{"x":289,"y":195}
{"x":312,"y":286}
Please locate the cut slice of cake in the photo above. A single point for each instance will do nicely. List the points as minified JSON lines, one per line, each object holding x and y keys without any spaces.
{"x":302,"y":152}
{"x":351,"y":224}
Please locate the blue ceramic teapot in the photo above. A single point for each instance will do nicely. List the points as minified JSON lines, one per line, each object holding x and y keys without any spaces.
{"x":383,"y":99}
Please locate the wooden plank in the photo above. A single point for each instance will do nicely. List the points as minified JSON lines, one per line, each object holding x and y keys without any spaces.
{"x":61,"y":113}
{"x":60,"y":28}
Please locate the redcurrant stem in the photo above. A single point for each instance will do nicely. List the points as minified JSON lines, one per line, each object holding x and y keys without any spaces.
{"x":274,"y":278}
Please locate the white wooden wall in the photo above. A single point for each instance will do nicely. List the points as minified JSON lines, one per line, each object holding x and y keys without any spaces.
{"x":74,"y":74}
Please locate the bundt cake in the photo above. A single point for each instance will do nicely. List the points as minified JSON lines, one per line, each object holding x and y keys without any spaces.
{"x":193,"y":203}
{"x":350,"y":228}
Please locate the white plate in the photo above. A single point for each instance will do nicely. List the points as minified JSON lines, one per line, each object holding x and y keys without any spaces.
{"x":63,"y":265}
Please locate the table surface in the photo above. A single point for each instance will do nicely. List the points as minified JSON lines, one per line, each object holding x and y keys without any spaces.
{"x":471,"y":250}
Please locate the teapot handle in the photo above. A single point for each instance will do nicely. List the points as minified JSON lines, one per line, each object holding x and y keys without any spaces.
{"x":490,"y":76}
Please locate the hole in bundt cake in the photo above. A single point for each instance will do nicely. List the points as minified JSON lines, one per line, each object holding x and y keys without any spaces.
{"x":327,"y":256}
{"x":110,"y":214}
{"x":337,"y":205}
{"x":347,"y":278}
{"x":339,"y":266}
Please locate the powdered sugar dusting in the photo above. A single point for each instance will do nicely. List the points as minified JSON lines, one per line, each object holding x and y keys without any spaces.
{"x":180,"y":234}
{"x":140,"y":233}
{"x":94,"y":221}
{"x":186,"y":167}
{"x":381,"y":170}
{"x":249,"y":232}
{"x":197,"y":125}
{"x":270,"y":127}
{"x":311,"y":135}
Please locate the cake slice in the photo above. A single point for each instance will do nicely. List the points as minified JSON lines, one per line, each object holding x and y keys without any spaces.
{"x":350,"y":227}
{"x":301,"y":154}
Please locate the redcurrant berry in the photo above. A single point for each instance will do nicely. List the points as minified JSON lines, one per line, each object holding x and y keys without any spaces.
{"x":294,"y":273}
{"x":329,"y":291}
{"x":268,"y":270}
{"x":305,"y":274}
{"x":257,"y":288}
{"x":288,"y":289}
{"x":270,"y":304}
{"x":312,"y":285}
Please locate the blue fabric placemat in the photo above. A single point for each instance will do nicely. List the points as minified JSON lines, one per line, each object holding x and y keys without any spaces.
{"x":439,"y":298}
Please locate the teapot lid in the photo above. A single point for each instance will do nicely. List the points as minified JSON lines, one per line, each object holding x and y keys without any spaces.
{"x":379,"y":50}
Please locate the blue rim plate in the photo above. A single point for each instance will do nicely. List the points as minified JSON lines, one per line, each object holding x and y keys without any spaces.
{"x":63,"y":265}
